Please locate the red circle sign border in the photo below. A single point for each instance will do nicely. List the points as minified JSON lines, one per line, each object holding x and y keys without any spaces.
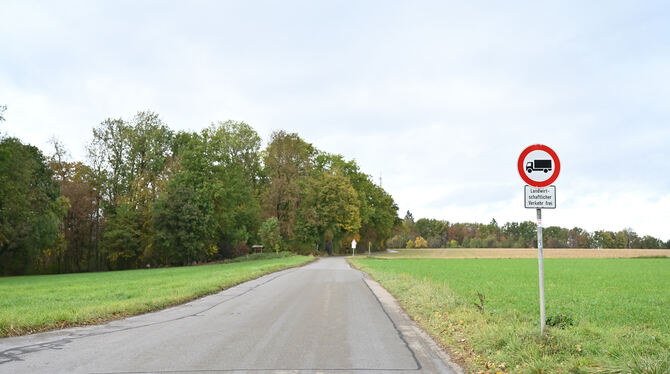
{"x":539,"y":147}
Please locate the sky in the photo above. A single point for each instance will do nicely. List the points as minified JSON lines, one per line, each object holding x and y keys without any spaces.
{"x":435,"y":99}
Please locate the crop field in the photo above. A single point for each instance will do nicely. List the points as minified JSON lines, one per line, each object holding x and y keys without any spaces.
{"x":524,"y":253}
{"x":36,"y":303}
{"x":609,"y":315}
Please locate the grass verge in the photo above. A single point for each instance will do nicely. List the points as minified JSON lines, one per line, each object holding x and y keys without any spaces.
{"x":30,"y":304}
{"x":606,"y":315}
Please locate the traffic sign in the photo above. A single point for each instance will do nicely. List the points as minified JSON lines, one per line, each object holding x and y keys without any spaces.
{"x":539,"y":165}
{"x":540,"y":197}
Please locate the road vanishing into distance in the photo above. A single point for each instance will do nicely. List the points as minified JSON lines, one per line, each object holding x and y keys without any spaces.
{"x":324,"y":317}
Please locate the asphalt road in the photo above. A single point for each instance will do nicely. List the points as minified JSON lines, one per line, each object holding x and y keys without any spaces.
{"x":320,"y":318}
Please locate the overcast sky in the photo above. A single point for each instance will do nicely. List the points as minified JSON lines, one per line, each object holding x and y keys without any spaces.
{"x":438,"y":98}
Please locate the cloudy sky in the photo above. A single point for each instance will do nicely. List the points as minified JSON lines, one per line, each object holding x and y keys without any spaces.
{"x":438,"y":98}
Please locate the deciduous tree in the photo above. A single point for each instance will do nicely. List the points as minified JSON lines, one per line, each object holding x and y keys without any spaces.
{"x":287,"y":160}
{"x":269,"y":234}
{"x":30,"y":205}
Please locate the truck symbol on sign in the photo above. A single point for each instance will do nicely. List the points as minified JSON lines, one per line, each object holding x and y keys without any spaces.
{"x":538,"y":165}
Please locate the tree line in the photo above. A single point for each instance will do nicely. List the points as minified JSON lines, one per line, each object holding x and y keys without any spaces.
{"x":147,"y":195}
{"x":433,"y":233}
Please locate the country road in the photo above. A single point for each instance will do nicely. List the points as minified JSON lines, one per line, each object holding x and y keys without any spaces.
{"x":320,"y":318}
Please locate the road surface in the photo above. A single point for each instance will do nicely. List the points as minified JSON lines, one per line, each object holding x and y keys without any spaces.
{"x":321,"y":318}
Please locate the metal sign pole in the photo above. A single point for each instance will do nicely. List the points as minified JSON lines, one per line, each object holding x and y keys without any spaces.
{"x":368,"y":248}
{"x":540,"y":262}
{"x":539,"y":194}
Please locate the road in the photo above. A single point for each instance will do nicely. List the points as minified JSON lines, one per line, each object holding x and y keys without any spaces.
{"x":321,"y":318}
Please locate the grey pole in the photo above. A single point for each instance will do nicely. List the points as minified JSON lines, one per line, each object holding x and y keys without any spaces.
{"x":540,"y":262}
{"x":368,"y":248}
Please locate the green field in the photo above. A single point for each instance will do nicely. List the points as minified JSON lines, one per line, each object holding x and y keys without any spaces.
{"x":36,"y":303}
{"x":609,"y":315}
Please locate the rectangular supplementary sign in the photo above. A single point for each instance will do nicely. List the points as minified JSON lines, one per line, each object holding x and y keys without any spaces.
{"x":540,"y":197}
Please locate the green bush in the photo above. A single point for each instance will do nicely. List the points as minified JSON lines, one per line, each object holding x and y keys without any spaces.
{"x":560,"y":320}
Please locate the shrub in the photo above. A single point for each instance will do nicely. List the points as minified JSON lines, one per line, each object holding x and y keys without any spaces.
{"x":269,"y":233}
{"x":560,"y":320}
{"x":420,"y":242}
{"x":241,"y":249}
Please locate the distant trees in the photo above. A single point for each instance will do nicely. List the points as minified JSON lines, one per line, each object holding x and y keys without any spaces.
{"x":31,"y":208}
{"x":443,"y":234}
{"x":150,"y":196}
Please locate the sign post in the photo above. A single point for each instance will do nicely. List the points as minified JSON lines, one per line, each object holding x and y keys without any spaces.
{"x":539,"y":166}
{"x":353,"y":247}
{"x":540,"y":264}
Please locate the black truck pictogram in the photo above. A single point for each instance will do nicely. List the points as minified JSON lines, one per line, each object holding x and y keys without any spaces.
{"x":538,"y":165}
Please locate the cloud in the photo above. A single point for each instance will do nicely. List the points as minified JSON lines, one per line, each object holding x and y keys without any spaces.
{"x":438,"y":98}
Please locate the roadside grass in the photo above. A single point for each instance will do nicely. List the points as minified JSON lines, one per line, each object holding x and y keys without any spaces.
{"x":608,"y":315}
{"x":44,"y":302}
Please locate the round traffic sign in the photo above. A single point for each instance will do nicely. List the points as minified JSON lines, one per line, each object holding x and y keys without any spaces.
{"x":539,"y":165}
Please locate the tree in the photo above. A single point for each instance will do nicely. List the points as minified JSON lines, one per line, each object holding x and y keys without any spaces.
{"x":214,"y":165}
{"x":434,"y":230}
{"x":233,"y":151}
{"x":131,"y":160}
{"x":148,"y":150}
{"x":377,"y":209}
{"x":555,"y":237}
{"x":78,"y":226}
{"x":602,"y":239}
{"x":183,"y":224}
{"x":108,"y":150}
{"x":621,"y":240}
{"x":121,"y":242}
{"x":235,"y":144}
{"x":632,"y":240}
{"x":269,"y":234}
{"x":649,"y":242}
{"x":329,"y":209}
{"x":31,"y":207}
{"x":3,"y":108}
{"x":578,"y":238}
{"x":287,"y":160}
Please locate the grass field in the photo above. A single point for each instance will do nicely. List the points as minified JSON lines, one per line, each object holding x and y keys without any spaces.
{"x":36,"y":303}
{"x":524,"y":253}
{"x":609,"y":315}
